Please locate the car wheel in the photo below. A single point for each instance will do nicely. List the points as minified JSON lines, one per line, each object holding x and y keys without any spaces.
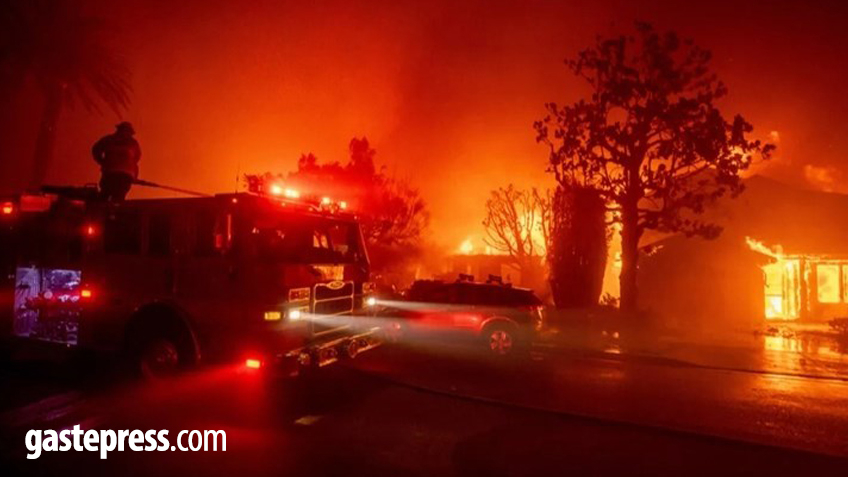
{"x":394,"y":332}
{"x":158,"y":357}
{"x":500,"y":340}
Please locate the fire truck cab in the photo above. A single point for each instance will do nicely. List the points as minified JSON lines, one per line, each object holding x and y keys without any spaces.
{"x":170,"y":282}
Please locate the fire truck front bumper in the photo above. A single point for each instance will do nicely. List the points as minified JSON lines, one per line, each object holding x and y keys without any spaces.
{"x":318,"y":354}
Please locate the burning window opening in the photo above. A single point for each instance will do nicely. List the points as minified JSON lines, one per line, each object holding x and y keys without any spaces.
{"x":802,"y":286}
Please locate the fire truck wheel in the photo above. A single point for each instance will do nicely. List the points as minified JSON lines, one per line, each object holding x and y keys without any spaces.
{"x":159,"y":357}
{"x":159,"y":343}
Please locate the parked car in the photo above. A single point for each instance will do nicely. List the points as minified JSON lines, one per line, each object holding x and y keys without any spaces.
{"x":499,"y":318}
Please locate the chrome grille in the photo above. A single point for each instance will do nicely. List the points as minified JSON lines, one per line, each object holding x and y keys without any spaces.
{"x":328,"y":291}
{"x":334,"y":298}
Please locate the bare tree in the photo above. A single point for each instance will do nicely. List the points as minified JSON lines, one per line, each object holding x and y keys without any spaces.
{"x":517,"y":223}
{"x":649,"y":139}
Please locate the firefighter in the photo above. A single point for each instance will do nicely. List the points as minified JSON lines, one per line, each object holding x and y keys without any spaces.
{"x":118,"y":155}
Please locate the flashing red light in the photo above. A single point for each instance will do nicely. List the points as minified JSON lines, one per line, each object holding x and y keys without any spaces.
{"x":90,"y":230}
{"x":86,"y":293}
{"x":253,"y":363}
{"x":8,"y":208}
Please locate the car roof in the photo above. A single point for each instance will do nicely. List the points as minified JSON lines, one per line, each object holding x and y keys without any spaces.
{"x":438,"y":283}
{"x":480,"y":293}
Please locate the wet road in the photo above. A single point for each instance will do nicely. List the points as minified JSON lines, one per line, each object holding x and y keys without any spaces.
{"x":402,"y":412}
{"x":770,"y":408}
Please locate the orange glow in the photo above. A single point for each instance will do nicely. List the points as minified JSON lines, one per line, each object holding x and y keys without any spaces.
{"x":319,"y":112}
{"x":824,"y":178}
{"x":343,"y":205}
{"x":8,"y":208}
{"x":275,"y":189}
{"x":291,"y":193}
{"x":326,"y":200}
{"x":253,"y":363}
{"x":827,"y":283}
{"x":85,"y":293}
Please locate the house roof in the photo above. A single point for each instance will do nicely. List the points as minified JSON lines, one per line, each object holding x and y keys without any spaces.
{"x":800,"y":221}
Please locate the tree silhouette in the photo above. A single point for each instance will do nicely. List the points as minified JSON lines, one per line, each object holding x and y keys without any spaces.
{"x":649,"y":138}
{"x":392,"y":212}
{"x":65,"y":53}
{"x":517,"y":224}
{"x":577,"y":246}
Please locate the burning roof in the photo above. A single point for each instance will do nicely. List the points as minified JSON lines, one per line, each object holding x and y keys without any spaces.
{"x":800,"y":221}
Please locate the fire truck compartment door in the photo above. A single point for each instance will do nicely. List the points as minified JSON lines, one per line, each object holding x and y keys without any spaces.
{"x":46,"y":305}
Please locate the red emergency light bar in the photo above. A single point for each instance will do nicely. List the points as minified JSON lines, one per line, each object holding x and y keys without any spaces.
{"x":280,"y":191}
{"x":287,"y":195}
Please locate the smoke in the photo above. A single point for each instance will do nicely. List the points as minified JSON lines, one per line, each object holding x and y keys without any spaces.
{"x":446,"y":91}
{"x":824,"y":178}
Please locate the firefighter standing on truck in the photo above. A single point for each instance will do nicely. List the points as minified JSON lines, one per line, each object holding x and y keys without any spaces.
{"x":118,"y":155}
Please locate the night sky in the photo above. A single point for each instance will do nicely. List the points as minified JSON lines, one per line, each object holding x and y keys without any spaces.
{"x":446,"y":91}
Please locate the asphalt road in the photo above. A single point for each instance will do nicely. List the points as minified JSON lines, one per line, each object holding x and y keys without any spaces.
{"x":416,"y":412}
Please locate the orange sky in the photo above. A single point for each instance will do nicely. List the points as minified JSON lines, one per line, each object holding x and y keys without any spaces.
{"x":445,"y":91}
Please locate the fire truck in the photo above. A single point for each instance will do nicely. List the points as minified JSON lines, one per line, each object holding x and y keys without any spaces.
{"x":265,"y":280}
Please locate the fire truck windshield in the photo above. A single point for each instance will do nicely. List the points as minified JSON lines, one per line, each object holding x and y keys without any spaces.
{"x":306,"y":239}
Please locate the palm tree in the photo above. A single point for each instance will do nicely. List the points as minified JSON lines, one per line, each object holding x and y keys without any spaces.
{"x":65,"y":53}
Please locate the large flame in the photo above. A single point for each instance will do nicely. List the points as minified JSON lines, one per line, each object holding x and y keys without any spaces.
{"x":782,"y":282}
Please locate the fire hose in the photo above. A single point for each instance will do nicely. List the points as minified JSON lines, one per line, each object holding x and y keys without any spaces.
{"x":170,"y":188}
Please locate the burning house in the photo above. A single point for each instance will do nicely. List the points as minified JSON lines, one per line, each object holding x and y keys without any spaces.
{"x":481,"y":266}
{"x":783,"y":255}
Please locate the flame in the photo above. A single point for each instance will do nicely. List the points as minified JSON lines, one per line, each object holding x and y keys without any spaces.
{"x":466,"y":247}
{"x":782,"y":277}
{"x":760,"y":247}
